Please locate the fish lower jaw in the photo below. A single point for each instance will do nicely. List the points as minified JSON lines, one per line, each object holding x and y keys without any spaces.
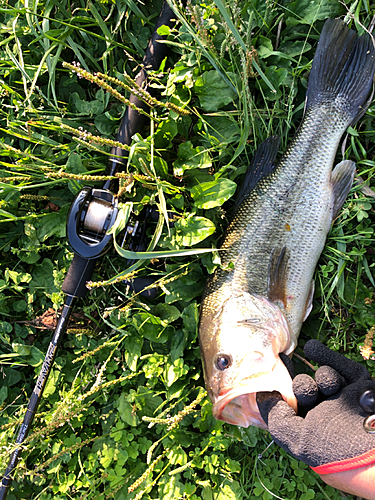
{"x":238,"y":405}
{"x":242,"y":411}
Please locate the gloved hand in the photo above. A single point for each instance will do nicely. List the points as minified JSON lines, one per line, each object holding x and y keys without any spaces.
{"x":330,"y":436}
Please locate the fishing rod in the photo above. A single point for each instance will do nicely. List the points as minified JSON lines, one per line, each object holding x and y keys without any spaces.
{"x":92,"y":214}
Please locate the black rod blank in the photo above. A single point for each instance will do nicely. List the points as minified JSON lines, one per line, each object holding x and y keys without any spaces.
{"x":37,"y":394}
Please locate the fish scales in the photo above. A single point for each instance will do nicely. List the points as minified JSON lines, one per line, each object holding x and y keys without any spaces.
{"x":253,"y":311}
{"x":291,"y":207}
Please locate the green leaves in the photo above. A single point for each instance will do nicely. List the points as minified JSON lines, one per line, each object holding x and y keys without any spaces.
{"x":190,"y":157}
{"x":213,"y":194}
{"x":174,"y":371}
{"x":193,"y":230}
{"x":152,"y":327}
{"x":188,"y":232}
{"x":307,"y":12}
{"x":130,"y":366}
{"x":213,"y":92}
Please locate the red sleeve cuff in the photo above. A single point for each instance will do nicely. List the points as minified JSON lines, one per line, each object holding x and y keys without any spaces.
{"x":367,"y":458}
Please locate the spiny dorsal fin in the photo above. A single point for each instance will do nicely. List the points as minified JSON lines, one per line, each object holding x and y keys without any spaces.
{"x":277,"y":270}
{"x":261,"y":165}
{"x":341,"y":180}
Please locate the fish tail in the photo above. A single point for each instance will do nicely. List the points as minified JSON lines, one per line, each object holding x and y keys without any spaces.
{"x":343,"y":69}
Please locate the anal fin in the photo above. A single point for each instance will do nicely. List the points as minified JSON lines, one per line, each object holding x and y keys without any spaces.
{"x":341,"y":180}
{"x":277,"y":271}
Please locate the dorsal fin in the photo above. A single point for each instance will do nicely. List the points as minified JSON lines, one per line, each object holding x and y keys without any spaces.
{"x":261,"y":165}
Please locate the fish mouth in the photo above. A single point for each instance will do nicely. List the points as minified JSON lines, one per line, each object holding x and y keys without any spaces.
{"x":238,"y":405}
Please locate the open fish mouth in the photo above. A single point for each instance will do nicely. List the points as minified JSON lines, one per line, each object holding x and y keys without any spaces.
{"x":238,"y":405}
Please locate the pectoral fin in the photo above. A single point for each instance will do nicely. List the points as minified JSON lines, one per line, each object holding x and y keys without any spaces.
{"x":277,"y":271}
{"x":309,"y":301}
{"x":342,"y":181}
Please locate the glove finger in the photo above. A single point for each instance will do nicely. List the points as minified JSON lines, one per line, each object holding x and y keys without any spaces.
{"x":284,"y":425}
{"x":348,"y":368}
{"x":329,"y":381}
{"x":306,"y":390}
{"x":266,"y":401}
{"x":288,"y":364}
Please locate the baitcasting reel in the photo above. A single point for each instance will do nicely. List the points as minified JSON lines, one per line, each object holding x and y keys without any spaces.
{"x":92,"y":214}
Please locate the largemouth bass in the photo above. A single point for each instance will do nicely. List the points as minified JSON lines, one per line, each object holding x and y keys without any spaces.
{"x":253,"y":312}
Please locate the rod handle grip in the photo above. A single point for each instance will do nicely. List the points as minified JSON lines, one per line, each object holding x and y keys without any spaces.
{"x":79,"y":273}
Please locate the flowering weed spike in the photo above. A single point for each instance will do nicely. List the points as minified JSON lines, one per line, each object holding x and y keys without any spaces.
{"x":23,"y":153}
{"x":106,"y":384}
{"x":94,"y":351}
{"x":104,"y":85}
{"x":148,"y":471}
{"x":142,"y":93}
{"x":74,"y":447}
{"x":87,"y":136}
{"x":66,"y":175}
{"x":174,"y":421}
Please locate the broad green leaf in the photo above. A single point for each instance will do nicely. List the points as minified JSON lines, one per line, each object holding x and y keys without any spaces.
{"x":213,"y":92}
{"x":219,"y":131}
{"x":175,"y":371}
{"x":170,"y":488}
{"x":190,"y":318}
{"x":105,"y":125}
{"x":193,"y":230}
{"x":167,"y":313}
{"x":164,"y":30}
{"x":43,"y":280}
{"x":278,"y":77}
{"x":146,"y":401}
{"x":17,"y":277}
{"x":186,"y":288}
{"x":152,"y":327}
{"x":165,"y":132}
{"x":229,"y":490}
{"x":178,"y":345}
{"x":54,"y":223}
{"x":20,"y":305}
{"x":190,"y":157}
{"x":213,"y":194}
{"x":126,"y":411}
{"x":307,"y":12}
{"x":133,"y":348}
{"x":51,"y":384}
{"x":294,"y":48}
{"x":177,"y":456}
{"x":3,"y":394}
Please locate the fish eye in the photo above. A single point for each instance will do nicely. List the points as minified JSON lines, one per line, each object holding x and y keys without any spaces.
{"x":223,"y":361}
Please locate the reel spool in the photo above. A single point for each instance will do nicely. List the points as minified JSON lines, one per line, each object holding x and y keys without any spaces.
{"x":92,"y":214}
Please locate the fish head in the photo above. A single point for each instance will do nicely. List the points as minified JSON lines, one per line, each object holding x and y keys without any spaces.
{"x":240,"y":347}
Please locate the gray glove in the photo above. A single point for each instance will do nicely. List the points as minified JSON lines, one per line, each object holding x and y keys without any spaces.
{"x":329,"y":436}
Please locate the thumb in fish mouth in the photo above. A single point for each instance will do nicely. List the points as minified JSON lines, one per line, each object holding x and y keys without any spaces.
{"x":266,"y":401}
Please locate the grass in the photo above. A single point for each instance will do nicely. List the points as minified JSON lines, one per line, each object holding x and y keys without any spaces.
{"x":124,"y":414}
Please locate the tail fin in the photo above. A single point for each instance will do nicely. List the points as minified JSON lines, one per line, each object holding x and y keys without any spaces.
{"x":342,"y":70}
